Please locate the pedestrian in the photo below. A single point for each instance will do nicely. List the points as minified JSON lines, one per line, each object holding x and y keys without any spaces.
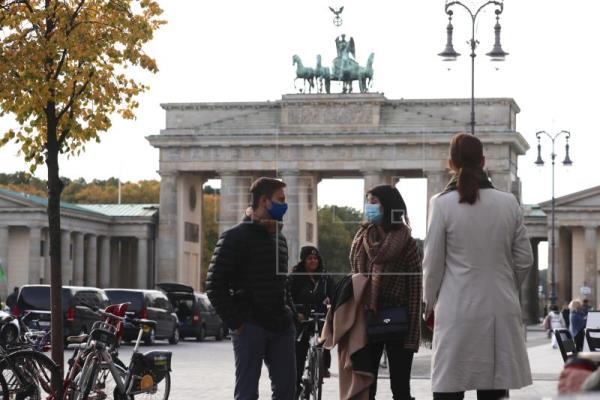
{"x":246,"y":284}
{"x":554,"y":320}
{"x":384,"y":248}
{"x":311,"y":289}
{"x":477,"y":254}
{"x":11,"y":300}
{"x":565,"y":313}
{"x":585,"y":307}
{"x":578,"y":322}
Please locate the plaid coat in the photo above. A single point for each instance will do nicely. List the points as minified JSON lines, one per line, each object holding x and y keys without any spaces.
{"x":398,"y":258}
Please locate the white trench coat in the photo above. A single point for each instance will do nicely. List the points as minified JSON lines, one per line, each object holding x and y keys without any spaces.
{"x":476,"y":257}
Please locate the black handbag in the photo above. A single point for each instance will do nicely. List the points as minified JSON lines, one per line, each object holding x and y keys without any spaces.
{"x":387,"y":323}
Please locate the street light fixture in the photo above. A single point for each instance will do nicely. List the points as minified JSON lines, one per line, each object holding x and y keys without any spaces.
{"x":497,"y":54}
{"x":567,"y":162}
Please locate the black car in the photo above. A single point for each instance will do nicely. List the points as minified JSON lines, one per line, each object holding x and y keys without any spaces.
{"x":197,"y":317}
{"x":34,"y":300}
{"x":147,"y":304}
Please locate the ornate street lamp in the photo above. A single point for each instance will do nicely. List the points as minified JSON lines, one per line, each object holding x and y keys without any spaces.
{"x":497,"y":54}
{"x":567,"y":162}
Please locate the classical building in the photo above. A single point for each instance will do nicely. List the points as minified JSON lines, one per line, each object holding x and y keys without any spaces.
{"x":303,"y":139}
{"x":577,"y":250}
{"x":102,"y":245}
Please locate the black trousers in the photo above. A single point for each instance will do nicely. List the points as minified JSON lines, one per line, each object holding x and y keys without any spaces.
{"x":399,"y":364}
{"x":481,"y":395}
{"x":579,"y":339}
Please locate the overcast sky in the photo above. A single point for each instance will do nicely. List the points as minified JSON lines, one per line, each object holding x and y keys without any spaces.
{"x":241,"y":51}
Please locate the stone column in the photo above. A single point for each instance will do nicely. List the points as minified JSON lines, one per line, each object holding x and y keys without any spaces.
{"x":230,"y":211}
{"x":291,"y":220}
{"x":91,"y":260}
{"x":65,"y":257}
{"x":46,"y":262}
{"x":104,"y":264}
{"x":35,"y":237}
{"x":591,"y":268}
{"x":4,"y":259}
{"x":502,"y":180}
{"x":436,"y":183}
{"x":167,"y":228}
{"x":142,"y":263}
{"x":115,"y":263}
{"x":529,"y":288}
{"x":78,"y":258}
{"x":372,"y":178}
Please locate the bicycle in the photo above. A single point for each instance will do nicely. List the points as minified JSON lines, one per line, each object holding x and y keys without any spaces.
{"x":96,"y":372}
{"x":312,"y":380}
{"x":25,"y":372}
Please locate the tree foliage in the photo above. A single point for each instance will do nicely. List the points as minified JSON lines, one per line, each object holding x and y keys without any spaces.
{"x":337,"y":227}
{"x":62,"y":68}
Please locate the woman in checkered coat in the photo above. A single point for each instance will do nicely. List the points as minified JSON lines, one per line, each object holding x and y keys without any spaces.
{"x":384,"y":248}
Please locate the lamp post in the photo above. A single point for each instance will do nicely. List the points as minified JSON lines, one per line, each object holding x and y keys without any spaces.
{"x":497,"y":54}
{"x":540,"y":163}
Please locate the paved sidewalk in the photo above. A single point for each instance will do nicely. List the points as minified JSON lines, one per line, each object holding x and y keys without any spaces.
{"x":206,"y":371}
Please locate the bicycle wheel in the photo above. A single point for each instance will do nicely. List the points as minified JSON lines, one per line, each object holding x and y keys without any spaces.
{"x":160,"y":392}
{"x":84,"y":381}
{"x":30,"y":375}
{"x":105,"y":385}
{"x":317,"y":374}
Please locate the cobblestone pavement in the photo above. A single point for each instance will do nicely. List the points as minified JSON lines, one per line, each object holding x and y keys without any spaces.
{"x":205,"y":371}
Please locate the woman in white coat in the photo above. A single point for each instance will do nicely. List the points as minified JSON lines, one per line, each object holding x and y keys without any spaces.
{"x":477,"y":254}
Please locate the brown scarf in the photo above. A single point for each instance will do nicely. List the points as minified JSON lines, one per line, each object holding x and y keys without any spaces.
{"x":375,"y":251}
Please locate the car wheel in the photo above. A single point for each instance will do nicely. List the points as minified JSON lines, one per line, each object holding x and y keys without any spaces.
{"x":151,"y":338}
{"x":220,"y":334}
{"x":174,"y":339}
{"x":201,"y":335}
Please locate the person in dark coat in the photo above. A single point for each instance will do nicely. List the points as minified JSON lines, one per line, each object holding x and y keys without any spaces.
{"x":566,"y":314}
{"x":11,"y":300}
{"x":247,"y":286}
{"x":311,"y":288}
{"x":577,"y":323}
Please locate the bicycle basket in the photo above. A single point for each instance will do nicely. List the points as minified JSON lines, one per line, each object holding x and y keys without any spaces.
{"x":103,"y":333}
{"x":155,"y":364}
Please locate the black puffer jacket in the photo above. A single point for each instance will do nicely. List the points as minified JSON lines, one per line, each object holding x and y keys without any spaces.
{"x":309,"y":291}
{"x":247,"y":278}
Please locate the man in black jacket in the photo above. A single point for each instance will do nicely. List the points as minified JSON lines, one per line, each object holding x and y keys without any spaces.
{"x":246,"y":284}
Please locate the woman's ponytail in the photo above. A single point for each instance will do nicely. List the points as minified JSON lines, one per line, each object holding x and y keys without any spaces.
{"x":466,"y":154}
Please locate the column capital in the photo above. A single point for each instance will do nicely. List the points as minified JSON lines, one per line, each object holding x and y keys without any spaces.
{"x":590,"y":227}
{"x":168,"y":174}
{"x":288,"y":172}
{"x":371,"y":171}
{"x":228,"y":172}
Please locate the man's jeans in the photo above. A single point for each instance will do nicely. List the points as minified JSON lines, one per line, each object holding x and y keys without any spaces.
{"x":256,"y":344}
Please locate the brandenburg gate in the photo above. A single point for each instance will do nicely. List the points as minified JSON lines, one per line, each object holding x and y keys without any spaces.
{"x":302,"y":139}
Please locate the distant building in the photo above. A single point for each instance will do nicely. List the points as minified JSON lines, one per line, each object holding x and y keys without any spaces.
{"x":577,"y":250}
{"x":104,"y":245}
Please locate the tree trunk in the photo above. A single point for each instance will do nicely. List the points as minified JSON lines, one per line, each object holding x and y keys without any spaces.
{"x":55,"y":187}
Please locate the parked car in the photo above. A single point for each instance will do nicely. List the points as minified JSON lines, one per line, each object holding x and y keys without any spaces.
{"x":147,"y":304}
{"x":34,"y":300}
{"x":197,"y":317}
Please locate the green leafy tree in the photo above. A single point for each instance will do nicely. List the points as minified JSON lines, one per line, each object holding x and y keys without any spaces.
{"x":63,"y":75}
{"x":337,"y":226}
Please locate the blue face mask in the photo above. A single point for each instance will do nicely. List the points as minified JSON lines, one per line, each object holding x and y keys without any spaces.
{"x":277,"y":210}
{"x":372,"y":213}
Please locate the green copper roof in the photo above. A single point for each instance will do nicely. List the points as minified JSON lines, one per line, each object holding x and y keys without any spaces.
{"x":109,"y":210}
{"x":533,"y":210}
{"x":123,"y":210}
